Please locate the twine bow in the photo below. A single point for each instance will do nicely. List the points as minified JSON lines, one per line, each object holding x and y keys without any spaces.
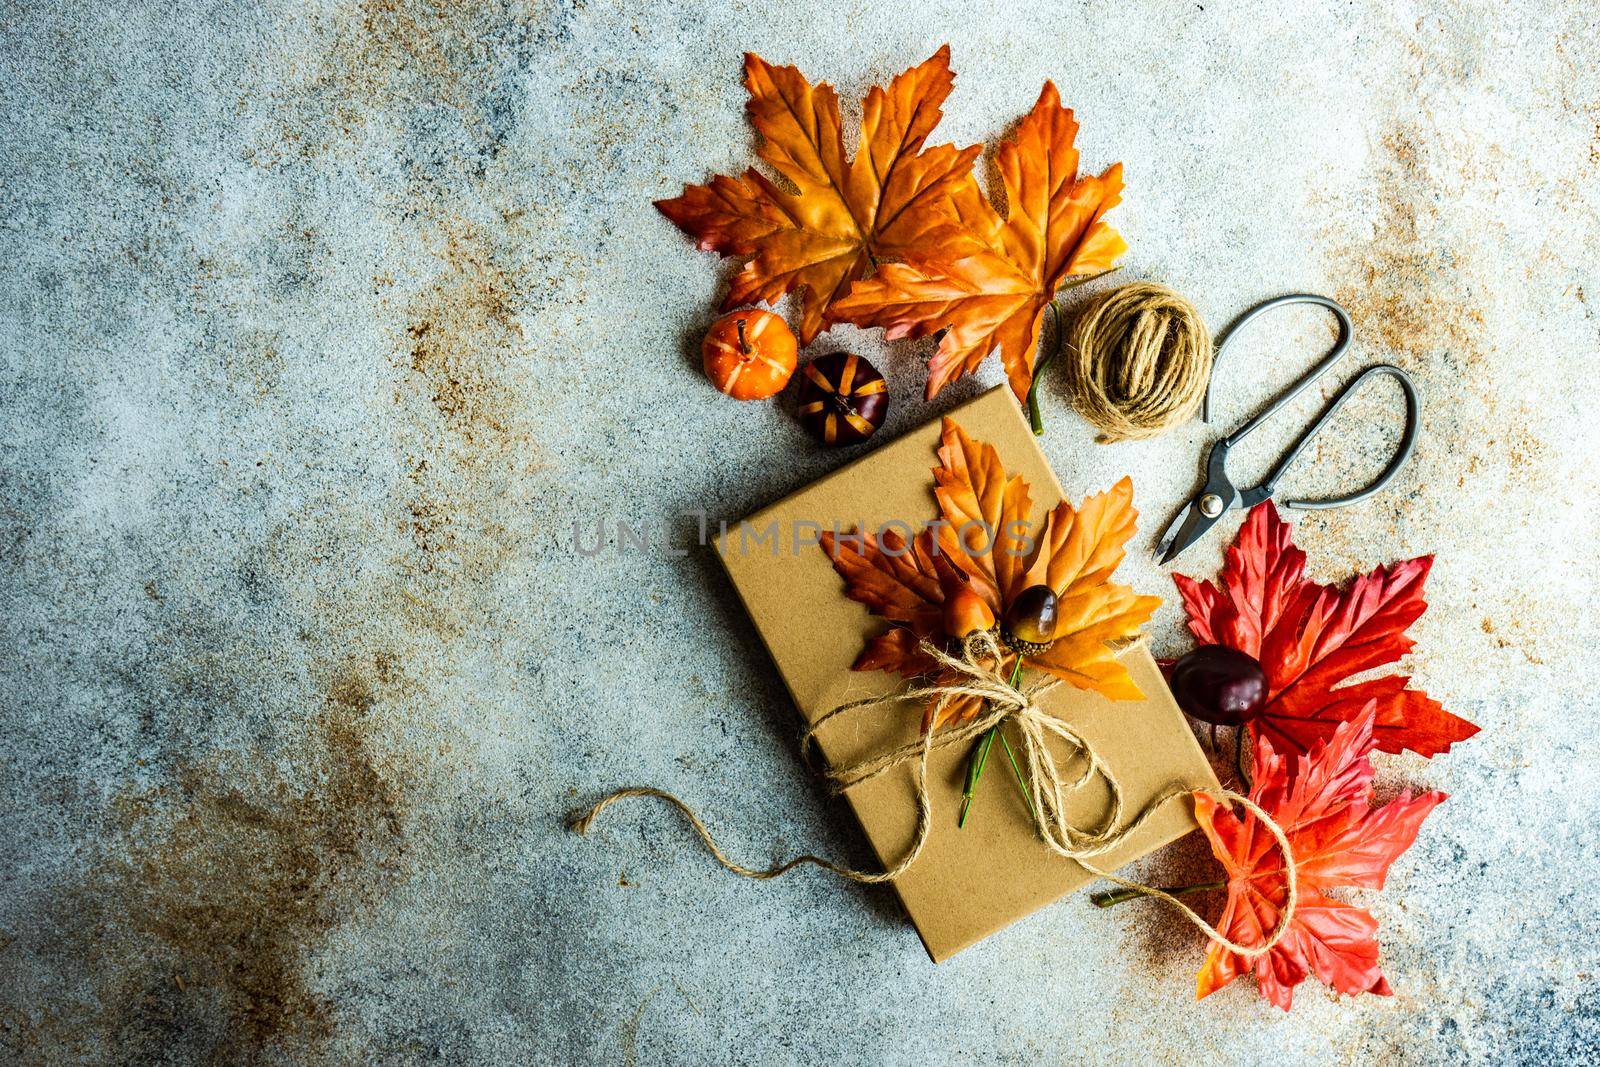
{"x":977,"y":673}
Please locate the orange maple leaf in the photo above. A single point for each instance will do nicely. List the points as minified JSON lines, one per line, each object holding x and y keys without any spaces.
{"x":985,"y":540}
{"x":892,"y":199}
{"x":1054,"y":229}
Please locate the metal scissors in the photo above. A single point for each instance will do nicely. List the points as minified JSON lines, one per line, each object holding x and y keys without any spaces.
{"x":1220,"y":494}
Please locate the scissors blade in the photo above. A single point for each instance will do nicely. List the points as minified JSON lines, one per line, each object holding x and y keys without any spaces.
{"x":1189,"y":526}
{"x":1165,"y":540}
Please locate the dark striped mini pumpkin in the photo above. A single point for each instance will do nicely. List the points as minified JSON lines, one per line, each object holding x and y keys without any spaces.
{"x":843,"y":398}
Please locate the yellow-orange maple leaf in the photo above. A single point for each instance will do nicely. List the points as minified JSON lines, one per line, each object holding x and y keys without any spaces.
{"x":995,"y":298}
{"x":892,"y":199}
{"x":987,"y":542}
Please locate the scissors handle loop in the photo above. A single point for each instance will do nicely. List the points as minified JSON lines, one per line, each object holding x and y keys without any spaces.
{"x":1342,"y":345}
{"x":1408,"y":440}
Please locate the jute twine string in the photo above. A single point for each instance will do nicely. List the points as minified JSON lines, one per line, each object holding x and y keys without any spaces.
{"x":978,"y":674}
{"x":1138,"y":358}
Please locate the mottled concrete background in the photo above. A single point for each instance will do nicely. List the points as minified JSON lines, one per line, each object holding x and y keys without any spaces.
{"x":323,"y":326}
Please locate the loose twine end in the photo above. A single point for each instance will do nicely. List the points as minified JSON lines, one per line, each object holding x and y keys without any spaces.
{"x":977,"y":674}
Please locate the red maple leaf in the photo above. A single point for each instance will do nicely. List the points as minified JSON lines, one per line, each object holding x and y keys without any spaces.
{"x":1324,"y":805}
{"x":1312,"y":638}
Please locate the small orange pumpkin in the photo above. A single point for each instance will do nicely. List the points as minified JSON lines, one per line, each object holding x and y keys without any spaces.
{"x":749,"y":354}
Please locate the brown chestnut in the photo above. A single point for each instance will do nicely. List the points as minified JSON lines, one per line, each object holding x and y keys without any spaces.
{"x":1219,"y":685}
{"x":843,"y":398}
{"x":1031,"y":619}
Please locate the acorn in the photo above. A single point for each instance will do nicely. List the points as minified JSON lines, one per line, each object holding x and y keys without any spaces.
{"x":965,"y":614}
{"x":750,"y":354}
{"x":843,"y":399}
{"x":1031,"y":620}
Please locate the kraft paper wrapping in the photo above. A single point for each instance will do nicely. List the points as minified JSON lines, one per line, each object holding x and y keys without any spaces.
{"x":974,"y":881}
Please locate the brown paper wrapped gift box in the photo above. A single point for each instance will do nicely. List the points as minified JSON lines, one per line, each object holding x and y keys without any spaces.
{"x":969,"y":882}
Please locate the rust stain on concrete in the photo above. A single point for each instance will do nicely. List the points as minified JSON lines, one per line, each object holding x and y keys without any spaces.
{"x":375,"y":61}
{"x":469,"y":448}
{"x":217,"y":887}
{"x":1407,"y":281}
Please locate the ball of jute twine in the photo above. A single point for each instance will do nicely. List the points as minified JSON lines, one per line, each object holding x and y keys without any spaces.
{"x":1138,"y":358}
{"x":976,"y":673}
